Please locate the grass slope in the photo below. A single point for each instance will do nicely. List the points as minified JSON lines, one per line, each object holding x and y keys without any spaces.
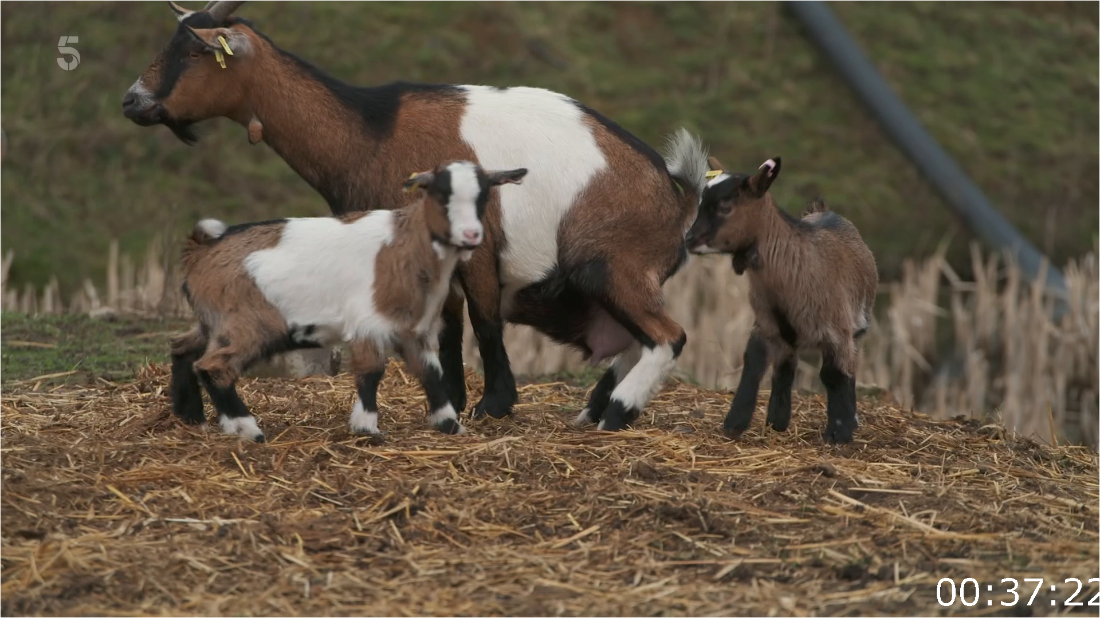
{"x":77,"y":349}
{"x":1009,"y":90}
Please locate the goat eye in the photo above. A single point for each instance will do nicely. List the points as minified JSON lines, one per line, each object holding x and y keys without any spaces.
{"x":195,"y":55}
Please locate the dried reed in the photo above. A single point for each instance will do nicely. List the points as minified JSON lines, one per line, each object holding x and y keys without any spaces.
{"x":1010,"y":361}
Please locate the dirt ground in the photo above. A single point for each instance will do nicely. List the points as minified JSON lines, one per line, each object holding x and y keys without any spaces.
{"x":110,"y":506}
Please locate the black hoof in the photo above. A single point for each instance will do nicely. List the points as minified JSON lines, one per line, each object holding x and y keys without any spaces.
{"x":733,"y":433}
{"x":778,"y":423}
{"x":260,"y":439}
{"x":495,"y":406}
{"x":837,"y":432}
{"x":450,"y":427}
{"x":371,"y":438}
{"x":736,"y":424}
{"x":779,"y":412}
{"x":617,"y":417}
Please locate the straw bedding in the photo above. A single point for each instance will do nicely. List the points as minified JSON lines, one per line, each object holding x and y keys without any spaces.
{"x":110,"y":506}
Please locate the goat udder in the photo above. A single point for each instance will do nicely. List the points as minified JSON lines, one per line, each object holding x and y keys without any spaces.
{"x":606,"y":337}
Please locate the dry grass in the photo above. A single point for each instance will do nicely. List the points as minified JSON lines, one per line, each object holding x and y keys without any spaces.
{"x":1011,"y":362}
{"x":110,"y":506}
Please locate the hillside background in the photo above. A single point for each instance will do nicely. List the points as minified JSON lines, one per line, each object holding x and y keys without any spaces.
{"x":1010,"y":90}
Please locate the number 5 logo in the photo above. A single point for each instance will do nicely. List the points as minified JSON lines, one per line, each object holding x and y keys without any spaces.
{"x":63,"y":47}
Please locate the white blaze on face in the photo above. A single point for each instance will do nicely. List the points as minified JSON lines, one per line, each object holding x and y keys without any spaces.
{"x":466,"y":230}
{"x":717,"y":179}
{"x":141,"y":93}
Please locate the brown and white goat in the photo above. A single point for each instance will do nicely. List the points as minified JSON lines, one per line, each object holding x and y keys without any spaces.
{"x":375,"y":280}
{"x":580,"y":253}
{"x":813,"y":282}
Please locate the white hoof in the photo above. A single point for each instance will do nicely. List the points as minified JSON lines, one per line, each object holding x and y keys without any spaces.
{"x":364,"y":421}
{"x":243,"y":426}
{"x":582,"y":419}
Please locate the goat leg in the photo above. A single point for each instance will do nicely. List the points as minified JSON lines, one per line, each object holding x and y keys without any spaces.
{"x":840,"y":410}
{"x":744,"y":399}
{"x":779,"y":403}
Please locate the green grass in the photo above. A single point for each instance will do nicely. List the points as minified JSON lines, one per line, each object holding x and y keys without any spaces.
{"x":1010,"y":90}
{"x":79,"y":348}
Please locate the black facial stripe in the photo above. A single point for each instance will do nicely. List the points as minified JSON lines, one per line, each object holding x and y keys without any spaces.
{"x":176,"y":54}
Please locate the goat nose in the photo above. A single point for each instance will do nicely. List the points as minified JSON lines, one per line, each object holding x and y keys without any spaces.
{"x":472,"y":236}
{"x":128,"y":100}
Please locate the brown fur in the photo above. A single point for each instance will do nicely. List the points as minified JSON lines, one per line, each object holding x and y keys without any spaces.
{"x":821,"y":278}
{"x":408,"y":269}
{"x":615,"y":222}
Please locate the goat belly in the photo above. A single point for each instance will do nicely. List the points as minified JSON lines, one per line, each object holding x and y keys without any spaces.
{"x":566,"y":316}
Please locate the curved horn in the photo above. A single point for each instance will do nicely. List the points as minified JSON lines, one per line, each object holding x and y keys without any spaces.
{"x":221,"y":10}
{"x":181,"y":13}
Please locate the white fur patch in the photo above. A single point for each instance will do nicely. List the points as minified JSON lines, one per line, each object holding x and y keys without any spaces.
{"x":433,"y":303}
{"x":211,"y":227}
{"x":626,"y":361}
{"x":646,"y":378}
{"x":462,"y":205}
{"x":717,"y":179}
{"x":244,"y":426}
{"x":144,"y":97}
{"x":363,"y":421}
{"x":704,"y":249}
{"x":437,"y":417}
{"x":547,"y":133}
{"x":322,"y":273}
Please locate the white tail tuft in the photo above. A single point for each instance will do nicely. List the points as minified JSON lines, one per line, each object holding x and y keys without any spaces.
{"x":687,"y":159}
{"x":211,"y":228}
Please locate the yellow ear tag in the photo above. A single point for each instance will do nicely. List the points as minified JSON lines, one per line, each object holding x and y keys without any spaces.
{"x":714,"y":173}
{"x":225,"y":46}
{"x":220,"y":57}
{"x":411,"y":188}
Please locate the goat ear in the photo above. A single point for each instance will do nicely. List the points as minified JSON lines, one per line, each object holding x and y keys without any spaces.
{"x":769,"y":170}
{"x":230,"y":41}
{"x":715,"y":164}
{"x":419,"y":180}
{"x":511,"y":176}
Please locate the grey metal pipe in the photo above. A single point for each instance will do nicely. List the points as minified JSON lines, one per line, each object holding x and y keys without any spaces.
{"x":949,"y":180}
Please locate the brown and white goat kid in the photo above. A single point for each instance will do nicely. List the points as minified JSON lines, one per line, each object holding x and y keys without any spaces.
{"x":376,"y":280}
{"x":813,"y":282}
{"x":580,"y":253}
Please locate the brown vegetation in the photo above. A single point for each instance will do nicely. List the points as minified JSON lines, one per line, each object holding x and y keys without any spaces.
{"x":111,"y":506}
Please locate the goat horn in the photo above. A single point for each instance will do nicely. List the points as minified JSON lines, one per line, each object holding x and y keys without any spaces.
{"x":221,"y":10}
{"x":181,"y":13}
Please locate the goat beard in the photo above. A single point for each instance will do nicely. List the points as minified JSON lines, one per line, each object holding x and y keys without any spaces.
{"x":183,"y":130}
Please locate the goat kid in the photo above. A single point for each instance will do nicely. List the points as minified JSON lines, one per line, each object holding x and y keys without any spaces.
{"x":813,"y":283}
{"x":558,"y":255}
{"x":376,"y":280}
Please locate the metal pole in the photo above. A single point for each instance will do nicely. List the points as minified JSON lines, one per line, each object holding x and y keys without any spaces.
{"x":949,"y":180}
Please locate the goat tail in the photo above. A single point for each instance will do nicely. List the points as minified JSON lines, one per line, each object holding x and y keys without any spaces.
{"x":207,"y":230}
{"x":687,"y":161}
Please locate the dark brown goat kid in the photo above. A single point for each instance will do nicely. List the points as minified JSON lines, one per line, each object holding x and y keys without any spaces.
{"x":813,"y":283}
